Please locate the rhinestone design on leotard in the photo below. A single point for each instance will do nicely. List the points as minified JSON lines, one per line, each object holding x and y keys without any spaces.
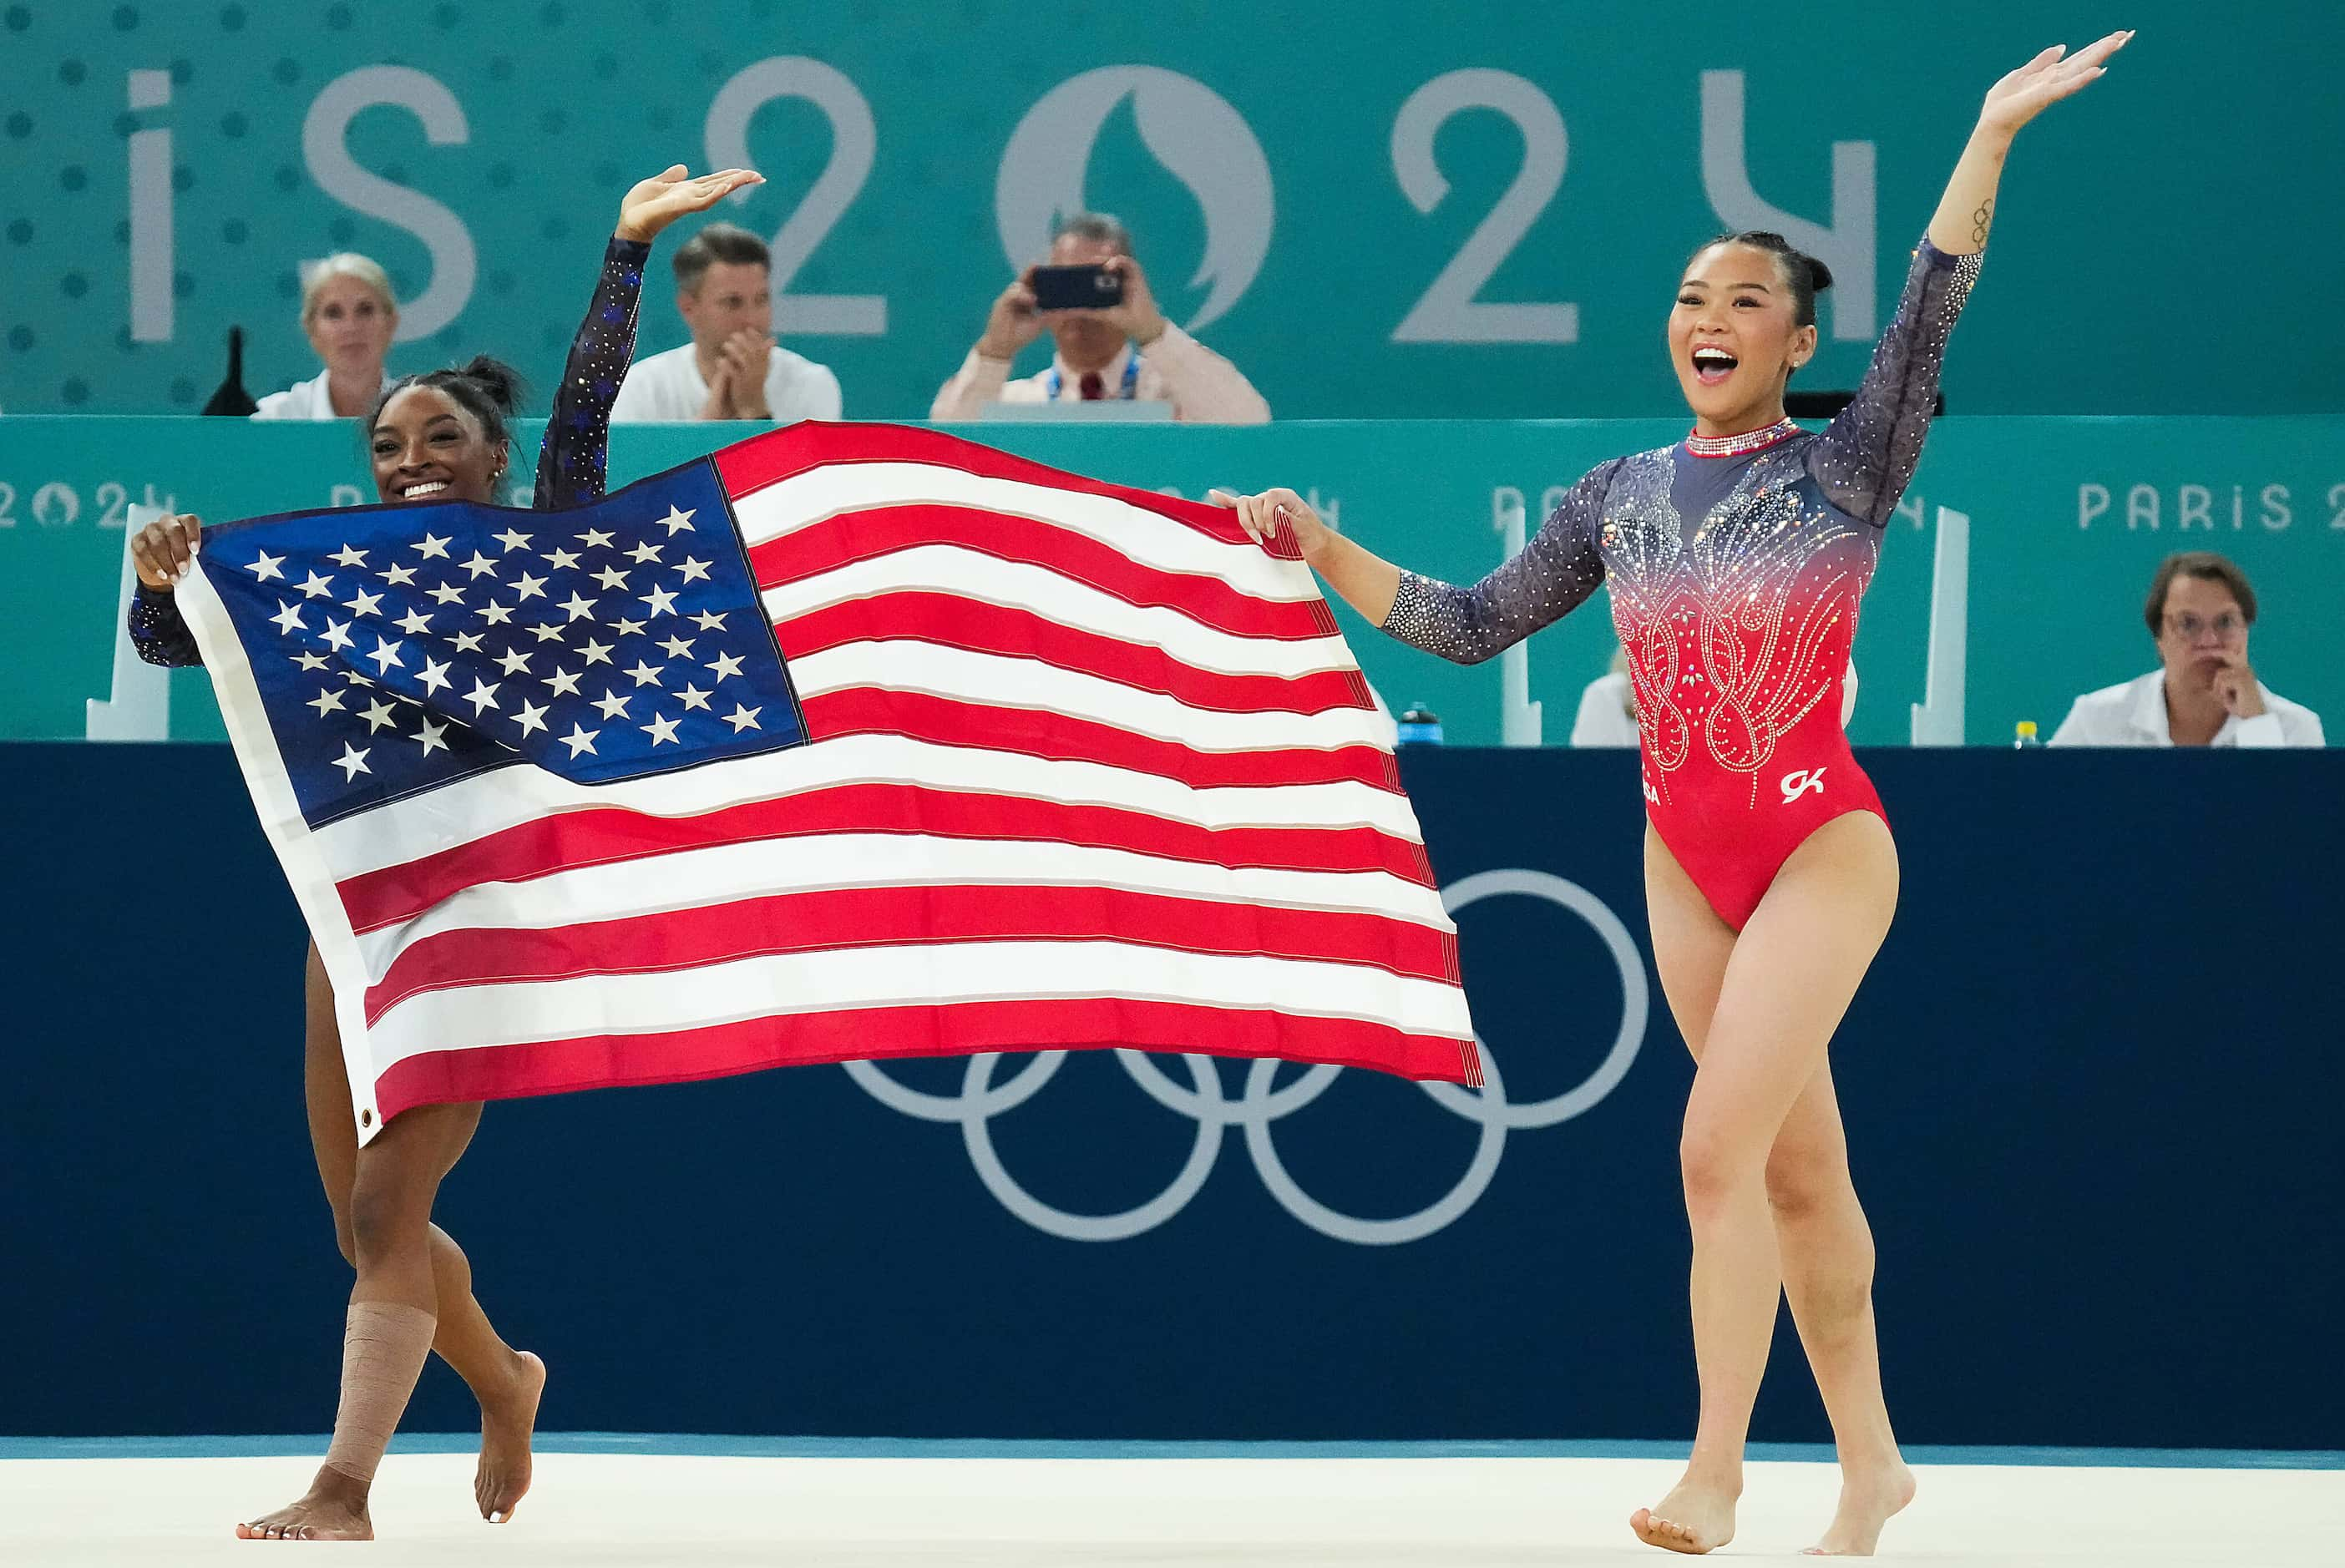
{"x":1737,"y":634}
{"x":1735,"y":563}
{"x":1735,"y":581}
{"x":1742,"y":445}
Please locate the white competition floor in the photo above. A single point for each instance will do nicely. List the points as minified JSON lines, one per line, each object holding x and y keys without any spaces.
{"x":601,"y":1499}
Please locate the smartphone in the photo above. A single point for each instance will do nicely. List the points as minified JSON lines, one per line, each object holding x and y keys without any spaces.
{"x":1084,"y":287}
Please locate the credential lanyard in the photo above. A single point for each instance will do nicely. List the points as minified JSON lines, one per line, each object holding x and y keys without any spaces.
{"x":1130,"y":388}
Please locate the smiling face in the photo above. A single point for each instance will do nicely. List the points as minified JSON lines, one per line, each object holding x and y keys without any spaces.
{"x":1735,"y":339}
{"x":427,"y":446}
{"x":351,"y":326}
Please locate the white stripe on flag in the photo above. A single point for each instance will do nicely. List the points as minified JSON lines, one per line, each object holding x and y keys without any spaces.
{"x":987,"y":579}
{"x":515,"y":1013}
{"x":1147,"y":537}
{"x":490,"y":802}
{"x":696,"y":878}
{"x":991,"y":680}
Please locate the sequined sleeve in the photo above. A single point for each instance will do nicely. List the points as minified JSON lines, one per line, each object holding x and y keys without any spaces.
{"x":1867,"y":457}
{"x":158,"y":631}
{"x":573,"y":465}
{"x":1555,"y":573}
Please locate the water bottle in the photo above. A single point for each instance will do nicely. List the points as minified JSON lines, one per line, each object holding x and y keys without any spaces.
{"x":1420,"y":727}
{"x":2026,"y":737}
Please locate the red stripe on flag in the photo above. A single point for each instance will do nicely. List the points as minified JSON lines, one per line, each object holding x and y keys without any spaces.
{"x":865,"y":535}
{"x":606,"y":836}
{"x":945,"y":720}
{"x":929,"y":1030}
{"x":750,"y":466}
{"x":949,"y":621}
{"x":834,"y":918}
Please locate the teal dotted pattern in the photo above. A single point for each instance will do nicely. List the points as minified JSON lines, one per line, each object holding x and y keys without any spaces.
{"x":567,"y":106}
{"x":567,"y":102}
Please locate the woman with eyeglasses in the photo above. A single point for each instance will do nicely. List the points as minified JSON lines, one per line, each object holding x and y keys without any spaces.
{"x":2204,"y":691}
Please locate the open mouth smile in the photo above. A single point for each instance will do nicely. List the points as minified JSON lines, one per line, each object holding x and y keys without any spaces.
{"x":1711,"y":366}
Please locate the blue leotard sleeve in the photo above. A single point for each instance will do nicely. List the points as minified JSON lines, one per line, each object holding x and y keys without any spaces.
{"x":1553,"y":576}
{"x":573,"y":465}
{"x":1864,"y":461}
{"x":159,"y":632}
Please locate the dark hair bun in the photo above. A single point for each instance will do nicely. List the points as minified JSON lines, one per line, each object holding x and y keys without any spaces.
{"x":498,"y":381}
{"x":1819,"y":275}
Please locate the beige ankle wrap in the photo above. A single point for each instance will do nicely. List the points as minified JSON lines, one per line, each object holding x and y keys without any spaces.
{"x":383,"y":1350}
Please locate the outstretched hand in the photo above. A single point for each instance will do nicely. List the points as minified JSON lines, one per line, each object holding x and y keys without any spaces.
{"x":653,"y":204}
{"x":2043,"y":81}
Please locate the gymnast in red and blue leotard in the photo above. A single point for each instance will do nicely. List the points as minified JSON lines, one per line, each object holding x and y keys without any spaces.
{"x":1735,"y":564}
{"x":1736,"y":561}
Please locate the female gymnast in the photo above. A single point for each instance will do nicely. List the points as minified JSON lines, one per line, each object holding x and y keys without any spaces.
{"x":440,"y":436}
{"x":1736,"y":560}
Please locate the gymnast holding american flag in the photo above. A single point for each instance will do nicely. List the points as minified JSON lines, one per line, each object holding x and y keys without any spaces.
{"x":847,"y":742}
{"x":435,"y":437}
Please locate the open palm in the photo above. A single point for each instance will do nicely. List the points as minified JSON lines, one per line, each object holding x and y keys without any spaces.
{"x":2045,"y":80}
{"x":654,"y":203}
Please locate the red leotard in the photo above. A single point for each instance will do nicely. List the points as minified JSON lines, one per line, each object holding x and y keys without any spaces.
{"x":1735,"y":568}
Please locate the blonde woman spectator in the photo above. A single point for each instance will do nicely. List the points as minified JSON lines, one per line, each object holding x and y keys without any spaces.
{"x":349,"y":316}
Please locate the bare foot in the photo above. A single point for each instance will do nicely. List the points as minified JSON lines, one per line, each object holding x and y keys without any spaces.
{"x":334,"y":1509}
{"x":1694,"y":1518}
{"x":1865,"y":1505}
{"x":507,"y":1423}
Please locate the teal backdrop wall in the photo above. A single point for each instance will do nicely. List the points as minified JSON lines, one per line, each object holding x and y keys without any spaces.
{"x":2068,"y":517}
{"x":1377,"y":209}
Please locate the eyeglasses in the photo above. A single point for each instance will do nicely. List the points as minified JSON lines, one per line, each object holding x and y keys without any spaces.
{"x":2190,"y":626}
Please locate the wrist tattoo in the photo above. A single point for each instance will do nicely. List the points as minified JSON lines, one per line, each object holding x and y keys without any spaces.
{"x":1981,"y":221}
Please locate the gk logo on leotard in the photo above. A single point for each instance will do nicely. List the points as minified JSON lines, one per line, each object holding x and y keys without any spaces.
{"x":1262,"y":1103}
{"x":1796,"y":785}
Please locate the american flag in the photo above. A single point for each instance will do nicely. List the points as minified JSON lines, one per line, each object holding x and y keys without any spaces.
{"x":847,"y":741}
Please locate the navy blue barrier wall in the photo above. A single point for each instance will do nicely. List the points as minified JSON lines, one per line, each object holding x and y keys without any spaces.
{"x":2092,"y":1084}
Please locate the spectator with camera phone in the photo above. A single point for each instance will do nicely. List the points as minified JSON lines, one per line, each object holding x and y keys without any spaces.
{"x":1121,"y":347}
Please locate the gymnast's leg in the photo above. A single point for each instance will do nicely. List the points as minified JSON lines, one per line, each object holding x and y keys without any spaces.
{"x":1827,"y":1254}
{"x":506,"y":1381}
{"x":1781,"y":991}
{"x":392,"y":1321}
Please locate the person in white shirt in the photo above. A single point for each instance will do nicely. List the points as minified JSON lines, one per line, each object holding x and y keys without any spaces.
{"x":732,"y":369}
{"x":2204,"y":692}
{"x":350,"y":317}
{"x":1128,"y":351}
{"x":1607,"y":706}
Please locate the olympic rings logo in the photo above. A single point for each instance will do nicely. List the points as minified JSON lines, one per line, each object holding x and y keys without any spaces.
{"x":1260,"y":1107}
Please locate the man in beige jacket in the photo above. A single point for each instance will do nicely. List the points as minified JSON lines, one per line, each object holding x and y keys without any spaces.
{"x":1128,"y":351}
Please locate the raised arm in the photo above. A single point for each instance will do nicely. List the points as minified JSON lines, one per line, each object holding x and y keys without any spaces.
{"x":573,"y":465}
{"x":1555,"y":573}
{"x":1868,"y":456}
